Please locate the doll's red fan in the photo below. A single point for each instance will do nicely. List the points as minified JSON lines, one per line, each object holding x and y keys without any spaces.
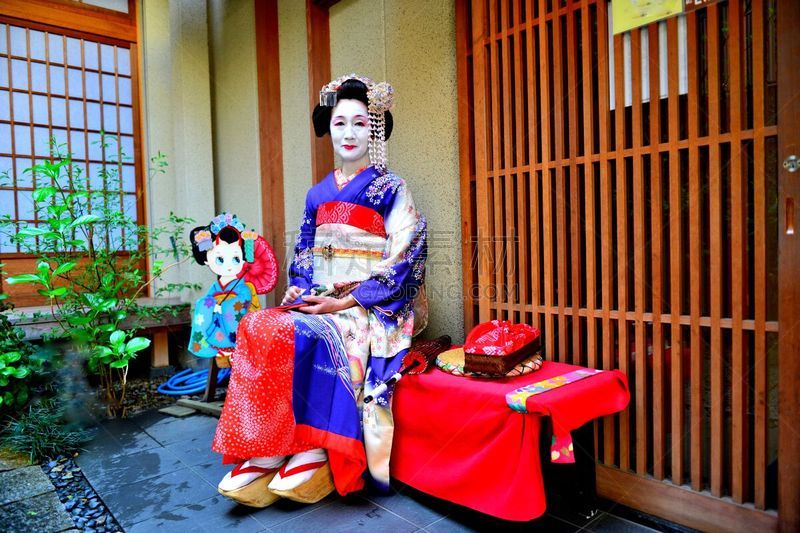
{"x":263,"y":271}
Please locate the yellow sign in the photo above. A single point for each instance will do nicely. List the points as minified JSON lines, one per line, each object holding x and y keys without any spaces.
{"x":629,"y":14}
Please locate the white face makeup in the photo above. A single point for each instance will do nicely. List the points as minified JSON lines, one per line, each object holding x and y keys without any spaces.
{"x":225,"y":259}
{"x":350,"y":130}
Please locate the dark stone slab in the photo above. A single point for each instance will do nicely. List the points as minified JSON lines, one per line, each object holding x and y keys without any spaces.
{"x":146,"y":499}
{"x":108,"y":472}
{"x":119,"y":437}
{"x":346,"y":515}
{"x":171,"y":430}
{"x":212,"y":472}
{"x":23,"y":483}
{"x":608,"y":522}
{"x":213,"y":514}
{"x":177,"y":411}
{"x":465,"y":520}
{"x":285,"y":510}
{"x":195,"y":451}
{"x":41,"y":514}
{"x":416,"y":507}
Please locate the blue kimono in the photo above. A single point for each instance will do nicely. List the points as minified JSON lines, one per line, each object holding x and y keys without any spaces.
{"x":217,"y":316}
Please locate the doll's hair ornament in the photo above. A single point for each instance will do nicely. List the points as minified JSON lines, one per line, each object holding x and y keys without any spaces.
{"x":225,"y":219}
{"x":203,"y":240}
{"x":249,"y":238}
{"x":380,"y":98}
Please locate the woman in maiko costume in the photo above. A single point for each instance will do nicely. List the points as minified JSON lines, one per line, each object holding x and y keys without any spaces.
{"x":292,"y":421}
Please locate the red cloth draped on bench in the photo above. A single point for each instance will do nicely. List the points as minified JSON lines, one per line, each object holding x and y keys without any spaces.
{"x":457,"y":439}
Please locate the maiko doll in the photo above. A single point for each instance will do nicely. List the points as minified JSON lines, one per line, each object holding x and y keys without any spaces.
{"x":245,"y":266}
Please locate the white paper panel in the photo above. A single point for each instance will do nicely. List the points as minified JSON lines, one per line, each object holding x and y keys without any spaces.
{"x":75,"y":85}
{"x":6,"y":166}
{"x":95,"y":148}
{"x":93,"y":116}
{"x":55,"y":48}
{"x":3,"y":30}
{"x":19,"y":42}
{"x":24,"y":179}
{"x":39,"y":77}
{"x":124,"y":61}
{"x":125,"y":91}
{"x":41,"y":141}
{"x":25,"y":205}
{"x":7,"y":204}
{"x":21,"y":107}
{"x":19,"y":74}
{"x":74,"y":53}
{"x":109,"y":88}
{"x":107,"y":58}
{"x":22,"y":139}
{"x":60,"y":140}
{"x":5,"y":110}
{"x":38,"y":50}
{"x":92,"y":86}
{"x":114,"y":5}
{"x":58,"y":111}
{"x":57,"y":80}
{"x":77,"y":144}
{"x":3,"y":72}
{"x":5,"y":138}
{"x":126,"y":144}
{"x":96,"y":180}
{"x":125,"y":120}
{"x":109,"y":118}
{"x":90,"y":55}
{"x":40,"y":111}
{"x":76,"y":114}
{"x":128,"y":178}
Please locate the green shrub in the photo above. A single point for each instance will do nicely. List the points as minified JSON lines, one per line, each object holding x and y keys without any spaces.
{"x":21,"y":365}
{"x":40,"y":432}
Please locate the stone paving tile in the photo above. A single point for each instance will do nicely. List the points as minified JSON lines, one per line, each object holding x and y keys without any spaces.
{"x":23,"y":483}
{"x":172,"y":430}
{"x":208,"y":515}
{"x":137,"y":502}
{"x":284,"y":510}
{"x":608,"y":522}
{"x":467,"y":520}
{"x":10,"y":460}
{"x":345,"y":515}
{"x":416,"y":507}
{"x":119,"y":437}
{"x":40,"y":514}
{"x":195,"y":451}
{"x":108,"y":472}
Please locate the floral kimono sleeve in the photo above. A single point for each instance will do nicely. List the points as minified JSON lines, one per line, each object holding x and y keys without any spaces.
{"x":301,"y":271}
{"x":395,"y":280}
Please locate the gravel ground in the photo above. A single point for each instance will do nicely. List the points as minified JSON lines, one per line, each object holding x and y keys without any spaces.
{"x":79,"y":498}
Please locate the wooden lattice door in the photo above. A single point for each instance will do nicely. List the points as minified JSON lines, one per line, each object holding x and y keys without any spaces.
{"x":621,"y":192}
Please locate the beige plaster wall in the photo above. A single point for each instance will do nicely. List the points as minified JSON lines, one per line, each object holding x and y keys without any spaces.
{"x":234,"y":109}
{"x":411,"y":44}
{"x":177,"y":115}
{"x":295,"y":117}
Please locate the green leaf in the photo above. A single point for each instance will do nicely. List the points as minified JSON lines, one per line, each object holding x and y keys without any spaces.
{"x":84,"y":219}
{"x":23,"y":278}
{"x":12,"y":357}
{"x":22,"y":372}
{"x":118,"y":364}
{"x":79,"y":320}
{"x":43,"y":193}
{"x":58,"y":292}
{"x":117,"y":338}
{"x":64,"y":267}
{"x":137,"y":344}
{"x":43,"y":266}
{"x":32,"y":232}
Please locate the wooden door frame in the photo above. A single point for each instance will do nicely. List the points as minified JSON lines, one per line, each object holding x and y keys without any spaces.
{"x":319,"y":73}
{"x":788,"y":267}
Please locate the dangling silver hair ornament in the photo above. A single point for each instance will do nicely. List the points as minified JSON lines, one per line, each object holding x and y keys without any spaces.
{"x":380,"y":98}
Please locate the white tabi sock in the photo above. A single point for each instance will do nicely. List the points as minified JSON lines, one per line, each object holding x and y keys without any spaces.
{"x":292,"y":481}
{"x":231,"y":482}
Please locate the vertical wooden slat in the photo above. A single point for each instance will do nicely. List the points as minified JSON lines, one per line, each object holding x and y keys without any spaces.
{"x":676,"y":377}
{"x":738,"y":250}
{"x":468,"y":247}
{"x":760,"y":266}
{"x":605,"y":213}
{"x":481,"y":164}
{"x":560,"y":185}
{"x":533,"y":188}
{"x":509,"y":172}
{"x":546,"y":103}
{"x":588,"y":128}
{"x":788,"y":267}
{"x":577,"y":352}
{"x":642,"y":408}
{"x":695,"y":264}
{"x":524,"y":209}
{"x":318,"y":50}
{"x":715,"y":252}
{"x":495,"y":184}
{"x":622,"y":241}
{"x":659,"y":433}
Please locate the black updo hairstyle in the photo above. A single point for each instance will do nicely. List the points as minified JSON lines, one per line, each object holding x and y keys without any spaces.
{"x":350,"y":90}
{"x":228,"y":234}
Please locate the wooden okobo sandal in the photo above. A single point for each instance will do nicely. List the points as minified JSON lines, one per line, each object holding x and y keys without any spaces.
{"x":313,"y":490}
{"x":255,"y":493}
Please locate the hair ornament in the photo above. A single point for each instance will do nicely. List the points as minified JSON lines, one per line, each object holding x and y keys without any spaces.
{"x":249,"y":238}
{"x":380,"y":98}
{"x":203,"y":240}
{"x":219,"y":222}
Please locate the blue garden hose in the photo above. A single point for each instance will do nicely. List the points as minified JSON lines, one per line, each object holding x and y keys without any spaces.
{"x":191,"y":382}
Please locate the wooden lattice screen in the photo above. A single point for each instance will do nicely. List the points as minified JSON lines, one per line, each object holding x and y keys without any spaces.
{"x":620,"y":192}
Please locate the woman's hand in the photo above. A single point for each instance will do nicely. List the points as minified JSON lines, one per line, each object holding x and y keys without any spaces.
{"x":319,"y":305}
{"x":291,"y":295}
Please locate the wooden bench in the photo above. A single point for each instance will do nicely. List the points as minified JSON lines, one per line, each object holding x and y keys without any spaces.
{"x":37,"y":322}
